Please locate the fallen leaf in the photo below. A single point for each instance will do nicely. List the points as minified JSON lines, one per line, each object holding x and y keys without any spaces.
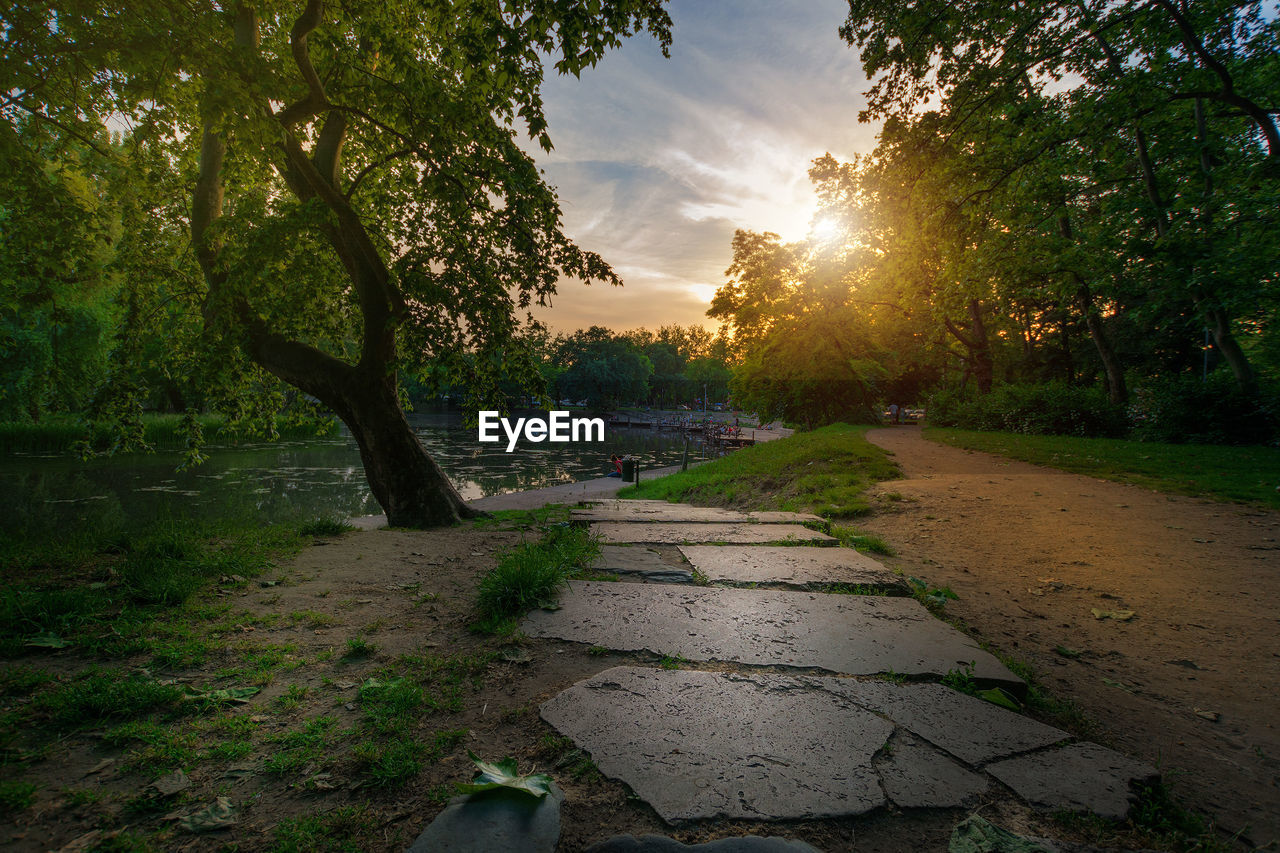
{"x":171,"y":783}
{"x":228,"y":696}
{"x":220,"y":815}
{"x":321,"y":782}
{"x":502,"y":774}
{"x":1117,"y":615}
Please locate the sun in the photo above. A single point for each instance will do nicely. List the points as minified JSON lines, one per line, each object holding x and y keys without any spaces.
{"x":824,"y":229}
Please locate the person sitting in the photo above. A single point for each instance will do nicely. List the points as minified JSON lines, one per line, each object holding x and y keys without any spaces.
{"x":617,"y":465}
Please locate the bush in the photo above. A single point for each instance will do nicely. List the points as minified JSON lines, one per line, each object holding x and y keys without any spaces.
{"x":1189,"y":410}
{"x":1050,"y":409}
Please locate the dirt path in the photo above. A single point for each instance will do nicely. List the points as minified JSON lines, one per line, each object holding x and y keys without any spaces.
{"x":1030,"y":551}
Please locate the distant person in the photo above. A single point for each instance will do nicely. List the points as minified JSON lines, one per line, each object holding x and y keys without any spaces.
{"x":893,"y":412}
{"x":617,"y":465}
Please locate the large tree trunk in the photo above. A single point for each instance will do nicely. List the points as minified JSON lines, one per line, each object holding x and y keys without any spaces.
{"x":407,"y":482}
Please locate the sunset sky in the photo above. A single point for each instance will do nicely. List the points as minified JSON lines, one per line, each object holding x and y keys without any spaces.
{"x":657,"y":160}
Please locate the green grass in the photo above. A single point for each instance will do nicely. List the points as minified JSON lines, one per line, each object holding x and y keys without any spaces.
{"x":98,"y":696}
{"x":16,"y":795}
{"x":532,"y":574}
{"x":347,"y":829}
{"x":327,"y":526}
{"x":117,"y":591}
{"x":1246,"y":474}
{"x":825,"y":471}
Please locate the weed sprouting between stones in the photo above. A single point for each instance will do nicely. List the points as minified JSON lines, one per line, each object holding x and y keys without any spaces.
{"x":532,"y":575}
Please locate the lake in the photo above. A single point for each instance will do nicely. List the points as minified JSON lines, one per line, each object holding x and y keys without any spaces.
{"x":292,"y":480}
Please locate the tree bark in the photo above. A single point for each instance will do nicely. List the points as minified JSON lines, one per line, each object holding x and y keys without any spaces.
{"x":979,"y":363}
{"x":1117,"y":390}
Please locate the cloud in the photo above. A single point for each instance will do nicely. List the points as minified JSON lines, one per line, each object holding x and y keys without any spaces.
{"x":658,"y":161}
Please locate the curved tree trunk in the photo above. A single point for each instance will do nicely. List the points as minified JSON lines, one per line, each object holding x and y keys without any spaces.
{"x":407,"y":482}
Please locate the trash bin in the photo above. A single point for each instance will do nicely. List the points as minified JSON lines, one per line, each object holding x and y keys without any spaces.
{"x":629,"y":468}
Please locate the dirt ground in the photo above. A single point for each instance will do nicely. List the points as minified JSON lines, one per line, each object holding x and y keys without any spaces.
{"x":1190,"y":683}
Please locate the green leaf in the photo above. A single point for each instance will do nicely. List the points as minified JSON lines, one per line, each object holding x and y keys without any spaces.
{"x":1000,"y":696}
{"x":503,"y":774}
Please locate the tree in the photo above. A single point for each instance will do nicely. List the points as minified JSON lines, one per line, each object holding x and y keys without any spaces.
{"x":56,"y":284}
{"x":359,"y":201}
{"x":604,"y":369}
{"x":1184,"y":87}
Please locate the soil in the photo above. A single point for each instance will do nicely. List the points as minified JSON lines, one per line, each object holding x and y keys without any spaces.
{"x":1191,"y":682}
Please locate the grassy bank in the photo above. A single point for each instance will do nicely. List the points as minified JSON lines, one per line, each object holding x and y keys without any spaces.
{"x":825,"y":471}
{"x":1250,"y":474}
{"x":162,"y":432}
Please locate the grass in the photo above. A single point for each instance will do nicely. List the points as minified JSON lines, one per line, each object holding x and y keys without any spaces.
{"x":15,"y":795}
{"x":863,"y":542}
{"x":531,"y":575}
{"x":98,"y":696}
{"x":347,"y":828}
{"x":328,"y":526}
{"x":825,"y":471}
{"x":115,"y":591}
{"x":1245,"y":474}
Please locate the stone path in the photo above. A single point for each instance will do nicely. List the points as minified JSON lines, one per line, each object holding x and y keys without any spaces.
{"x":846,"y":634}
{"x":666,"y":512}
{"x":679,"y":532}
{"x":754,"y":743}
{"x":743,"y":564}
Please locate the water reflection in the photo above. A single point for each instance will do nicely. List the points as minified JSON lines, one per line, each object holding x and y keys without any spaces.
{"x":290,"y":480}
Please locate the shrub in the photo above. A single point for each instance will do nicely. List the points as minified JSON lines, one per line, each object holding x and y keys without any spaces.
{"x":1189,"y":410}
{"x":1050,"y":409}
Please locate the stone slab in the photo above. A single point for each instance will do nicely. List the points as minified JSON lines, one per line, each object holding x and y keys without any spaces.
{"x":678,"y":532}
{"x":742,"y":564}
{"x":663,"y":844}
{"x":849,"y":634}
{"x":636,"y":562}
{"x":1082,"y":777}
{"x":664,"y":511}
{"x":703,"y":745}
{"x":495,"y":820}
{"x":915,"y":775}
{"x":971,"y":729}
